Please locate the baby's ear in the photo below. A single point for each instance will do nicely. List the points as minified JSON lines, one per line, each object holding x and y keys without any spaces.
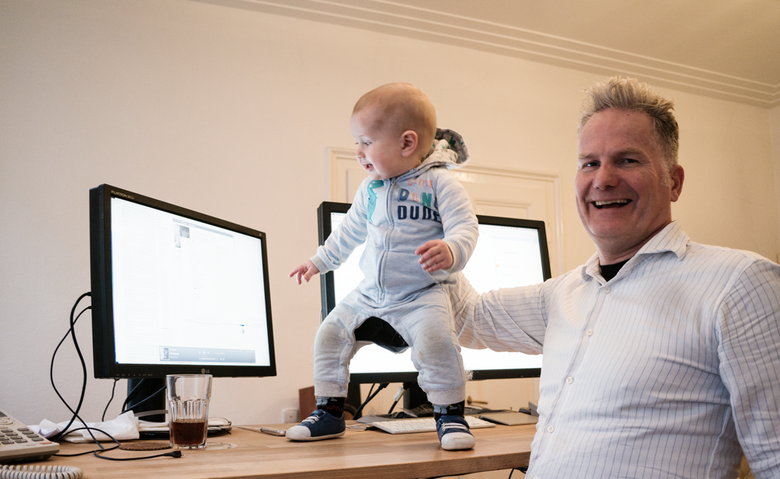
{"x":409,"y":142}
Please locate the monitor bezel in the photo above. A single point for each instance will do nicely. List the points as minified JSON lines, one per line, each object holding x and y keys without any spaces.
{"x":104,"y":347}
{"x":328,"y":299}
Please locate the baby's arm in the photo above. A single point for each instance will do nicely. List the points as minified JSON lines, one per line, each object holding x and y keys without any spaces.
{"x":459,"y":222}
{"x":342,"y":241}
{"x":306,"y":271}
{"x":435,"y":255}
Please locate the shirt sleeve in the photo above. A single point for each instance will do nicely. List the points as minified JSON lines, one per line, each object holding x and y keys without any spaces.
{"x":510,"y":319}
{"x":749,"y":353}
{"x":343,"y":240}
{"x":461,"y":228}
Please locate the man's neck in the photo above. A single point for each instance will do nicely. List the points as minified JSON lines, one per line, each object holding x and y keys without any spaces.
{"x":609,"y":254}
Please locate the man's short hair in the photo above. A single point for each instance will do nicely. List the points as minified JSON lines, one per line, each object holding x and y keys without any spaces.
{"x":630,"y":94}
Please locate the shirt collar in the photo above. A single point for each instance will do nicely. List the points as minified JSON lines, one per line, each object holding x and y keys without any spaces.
{"x":672,"y":238}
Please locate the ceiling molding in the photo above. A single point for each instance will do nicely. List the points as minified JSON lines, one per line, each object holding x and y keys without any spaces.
{"x":414,"y":22}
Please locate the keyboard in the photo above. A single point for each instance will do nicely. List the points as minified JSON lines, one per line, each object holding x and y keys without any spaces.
{"x":422,"y":424}
{"x":19,"y":443}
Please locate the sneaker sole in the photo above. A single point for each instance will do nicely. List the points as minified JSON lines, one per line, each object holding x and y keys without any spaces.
{"x":316,"y":438}
{"x":458,"y":443}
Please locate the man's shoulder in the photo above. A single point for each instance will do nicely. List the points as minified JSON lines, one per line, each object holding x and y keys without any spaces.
{"x":719,"y":263}
{"x":706,"y":252}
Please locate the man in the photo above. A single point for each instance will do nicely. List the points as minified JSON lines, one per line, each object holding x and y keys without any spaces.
{"x":661,"y":355}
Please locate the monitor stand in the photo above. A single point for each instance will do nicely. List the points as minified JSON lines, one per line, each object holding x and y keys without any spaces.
{"x":149,"y":395}
{"x":414,"y":397}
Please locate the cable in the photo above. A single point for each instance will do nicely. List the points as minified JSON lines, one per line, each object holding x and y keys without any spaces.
{"x":175,"y":454}
{"x":100,"y":446}
{"x":369,"y":398}
{"x":130,"y":394}
{"x":40,"y":472}
{"x":397,"y":397}
{"x":148,"y":398}
{"x":521,"y":469}
{"x":61,"y":434}
{"x":72,"y":332}
{"x":113,"y":389}
{"x":97,"y":452}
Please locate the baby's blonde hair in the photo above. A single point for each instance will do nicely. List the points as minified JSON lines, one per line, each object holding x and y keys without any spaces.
{"x":402,"y":107}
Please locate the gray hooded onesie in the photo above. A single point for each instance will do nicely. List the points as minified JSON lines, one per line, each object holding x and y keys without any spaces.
{"x":394,"y":217}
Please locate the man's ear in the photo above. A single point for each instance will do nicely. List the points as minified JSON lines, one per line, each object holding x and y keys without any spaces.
{"x":678,"y":177}
{"x":409,"y":141}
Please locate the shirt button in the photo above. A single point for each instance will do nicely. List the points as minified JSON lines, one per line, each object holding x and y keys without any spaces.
{"x":589,"y":332}
{"x":569,"y":380}
{"x":550,"y":429}
{"x":606,"y":289}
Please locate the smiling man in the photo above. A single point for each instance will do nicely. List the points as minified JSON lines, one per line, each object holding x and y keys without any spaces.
{"x":661,"y":355}
{"x":625,"y":184}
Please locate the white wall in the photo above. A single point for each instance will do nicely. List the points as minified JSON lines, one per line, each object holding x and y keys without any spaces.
{"x":775,"y":129}
{"x":228,"y":112}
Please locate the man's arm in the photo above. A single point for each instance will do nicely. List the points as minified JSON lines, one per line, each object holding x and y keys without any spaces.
{"x":511,"y":319}
{"x":749,"y":352}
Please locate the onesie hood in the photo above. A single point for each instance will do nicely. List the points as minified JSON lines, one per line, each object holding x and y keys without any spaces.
{"x":448,"y":150}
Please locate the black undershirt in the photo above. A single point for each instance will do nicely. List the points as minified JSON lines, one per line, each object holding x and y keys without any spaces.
{"x":608,"y":271}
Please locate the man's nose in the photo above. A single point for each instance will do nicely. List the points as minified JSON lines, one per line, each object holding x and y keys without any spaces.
{"x":606,"y":177}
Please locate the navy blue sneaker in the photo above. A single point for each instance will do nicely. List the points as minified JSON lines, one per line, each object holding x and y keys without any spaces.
{"x":319,"y":425}
{"x":454,"y":434}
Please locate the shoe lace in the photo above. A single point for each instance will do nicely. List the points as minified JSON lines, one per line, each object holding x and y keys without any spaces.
{"x":313,"y":417}
{"x":447,"y":426}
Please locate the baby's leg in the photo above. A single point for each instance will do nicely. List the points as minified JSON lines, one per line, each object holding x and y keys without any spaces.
{"x":436,"y":355}
{"x":334,"y":346}
{"x":435,"y":349}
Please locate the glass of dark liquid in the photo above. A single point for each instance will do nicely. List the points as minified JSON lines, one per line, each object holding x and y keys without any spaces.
{"x":188,"y":409}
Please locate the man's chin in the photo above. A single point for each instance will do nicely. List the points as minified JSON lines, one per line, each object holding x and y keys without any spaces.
{"x":609,"y":236}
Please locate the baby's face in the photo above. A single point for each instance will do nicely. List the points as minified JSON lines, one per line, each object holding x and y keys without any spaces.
{"x":379,"y":150}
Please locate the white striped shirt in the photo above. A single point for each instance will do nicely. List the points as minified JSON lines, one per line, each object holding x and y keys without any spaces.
{"x":661,"y":372}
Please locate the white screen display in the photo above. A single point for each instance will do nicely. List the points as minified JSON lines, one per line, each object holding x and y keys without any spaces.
{"x":505,"y":257}
{"x":185,"y":292}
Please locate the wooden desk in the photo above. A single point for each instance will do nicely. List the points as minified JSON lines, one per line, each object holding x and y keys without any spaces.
{"x":358,"y":454}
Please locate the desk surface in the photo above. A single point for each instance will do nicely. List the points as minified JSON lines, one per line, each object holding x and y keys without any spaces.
{"x":357,"y":454}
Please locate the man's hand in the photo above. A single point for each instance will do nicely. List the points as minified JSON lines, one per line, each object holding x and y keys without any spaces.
{"x":435,"y":255}
{"x":306,"y":271}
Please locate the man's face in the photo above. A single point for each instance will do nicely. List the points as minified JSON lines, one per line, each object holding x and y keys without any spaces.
{"x":623,"y":187}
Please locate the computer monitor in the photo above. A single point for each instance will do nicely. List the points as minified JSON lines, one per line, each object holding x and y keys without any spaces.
{"x":175,"y":291}
{"x":510,"y":252}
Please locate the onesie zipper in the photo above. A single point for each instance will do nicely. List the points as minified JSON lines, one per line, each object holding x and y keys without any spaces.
{"x":385,"y":239}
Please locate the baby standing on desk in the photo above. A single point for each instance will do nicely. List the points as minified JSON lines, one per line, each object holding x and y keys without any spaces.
{"x":419,"y":227}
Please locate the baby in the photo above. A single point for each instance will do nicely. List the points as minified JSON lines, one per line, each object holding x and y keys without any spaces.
{"x":419,"y":228}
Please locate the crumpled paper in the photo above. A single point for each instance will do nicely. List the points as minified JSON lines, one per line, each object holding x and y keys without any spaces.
{"x":123,"y":428}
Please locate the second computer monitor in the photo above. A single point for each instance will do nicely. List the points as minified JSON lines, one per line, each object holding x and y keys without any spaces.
{"x":510,"y":252}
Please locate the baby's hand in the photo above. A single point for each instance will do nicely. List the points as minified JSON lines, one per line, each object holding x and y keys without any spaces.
{"x":434,"y":255}
{"x":307,"y":270}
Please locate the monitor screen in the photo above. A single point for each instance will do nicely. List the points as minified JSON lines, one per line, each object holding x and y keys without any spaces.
{"x":510,"y":252}
{"x":176,"y":291}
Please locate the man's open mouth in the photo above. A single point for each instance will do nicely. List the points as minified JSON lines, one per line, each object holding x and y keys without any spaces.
{"x":610,"y":203}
